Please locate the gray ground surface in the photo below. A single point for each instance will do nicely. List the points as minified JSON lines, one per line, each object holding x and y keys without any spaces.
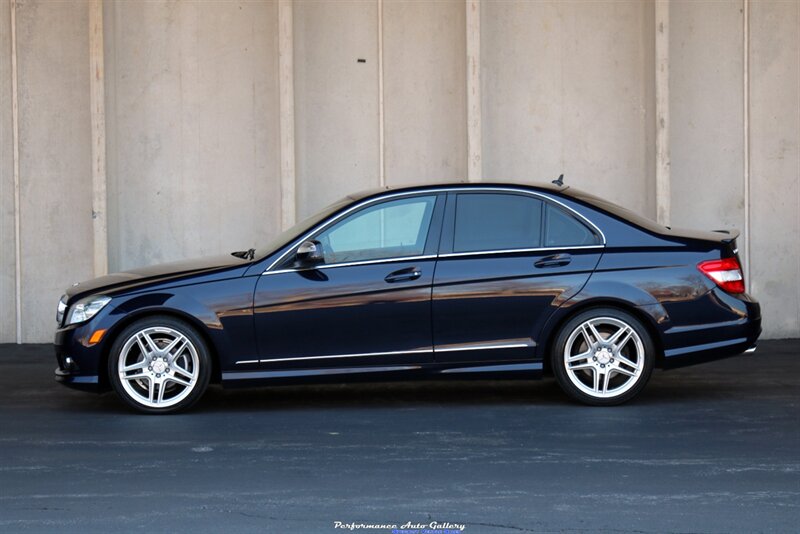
{"x":712,"y":448}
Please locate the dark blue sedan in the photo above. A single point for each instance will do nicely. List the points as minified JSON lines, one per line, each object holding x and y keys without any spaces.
{"x":491,"y":280}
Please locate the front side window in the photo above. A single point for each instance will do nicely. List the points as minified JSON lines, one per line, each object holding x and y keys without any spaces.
{"x":392,"y":229}
{"x":497,"y":221}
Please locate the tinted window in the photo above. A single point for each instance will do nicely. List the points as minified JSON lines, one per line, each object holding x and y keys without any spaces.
{"x":496,"y":222}
{"x":390,"y":229}
{"x":563,"y":230}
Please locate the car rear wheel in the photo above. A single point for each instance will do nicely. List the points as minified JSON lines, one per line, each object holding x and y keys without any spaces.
{"x":603,"y":356}
{"x":159,"y":365}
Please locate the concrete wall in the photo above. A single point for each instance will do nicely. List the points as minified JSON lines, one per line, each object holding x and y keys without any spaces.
{"x":708,"y":137}
{"x":567,"y":88}
{"x":775,"y":163}
{"x":192,"y":125}
{"x":424,"y":91}
{"x":8,"y":322}
{"x":706,"y":114}
{"x":336,"y":100}
{"x":54,"y":156}
{"x":193,"y":134}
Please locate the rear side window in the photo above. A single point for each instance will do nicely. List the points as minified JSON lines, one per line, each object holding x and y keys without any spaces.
{"x":564,"y":230}
{"x":495,"y":221}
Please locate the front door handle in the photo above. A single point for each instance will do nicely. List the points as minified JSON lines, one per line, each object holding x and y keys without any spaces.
{"x":403,"y":275}
{"x":556,"y":260}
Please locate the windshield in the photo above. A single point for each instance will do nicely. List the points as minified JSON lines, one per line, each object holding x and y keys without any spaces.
{"x":300,"y":228}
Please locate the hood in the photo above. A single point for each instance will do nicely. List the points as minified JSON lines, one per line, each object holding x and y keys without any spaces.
{"x":226,"y":265}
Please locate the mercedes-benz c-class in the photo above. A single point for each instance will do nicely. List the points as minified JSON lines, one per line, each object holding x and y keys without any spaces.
{"x":490,"y":280}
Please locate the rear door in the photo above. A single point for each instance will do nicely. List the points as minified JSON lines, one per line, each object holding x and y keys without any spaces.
{"x":508,"y":259}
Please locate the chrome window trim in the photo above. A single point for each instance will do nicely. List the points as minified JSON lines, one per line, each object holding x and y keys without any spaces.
{"x":353,"y":263}
{"x":475,"y":346}
{"x":430,"y":257}
{"x":516,"y":250}
{"x":367,"y":202}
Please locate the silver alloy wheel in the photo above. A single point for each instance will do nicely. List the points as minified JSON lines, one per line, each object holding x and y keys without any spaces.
{"x":158,"y":367}
{"x":604,"y":357}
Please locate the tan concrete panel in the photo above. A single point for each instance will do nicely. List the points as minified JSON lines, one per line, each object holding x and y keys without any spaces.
{"x":55,"y":157}
{"x":7,"y":248}
{"x":775,"y":163}
{"x":192,"y":106}
{"x":567,"y":88}
{"x":424,"y":91}
{"x":336,"y":99}
{"x":706,"y":107}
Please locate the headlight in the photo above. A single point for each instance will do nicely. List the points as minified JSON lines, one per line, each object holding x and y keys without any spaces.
{"x":85,"y":309}
{"x":62,"y":307}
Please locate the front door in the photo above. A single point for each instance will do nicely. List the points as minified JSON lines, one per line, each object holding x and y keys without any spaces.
{"x":508,"y":260}
{"x":367,"y":304}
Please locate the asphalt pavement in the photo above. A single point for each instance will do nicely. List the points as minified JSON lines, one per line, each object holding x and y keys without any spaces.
{"x":711,"y":448}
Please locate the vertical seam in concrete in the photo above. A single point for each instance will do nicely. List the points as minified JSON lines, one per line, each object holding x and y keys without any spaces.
{"x":474,"y":124}
{"x":797,"y":108}
{"x":381,"y":109}
{"x":15,"y":156}
{"x":98,"y":117}
{"x":746,"y":134}
{"x":112,"y":199}
{"x":287,"y":119}
{"x":663,"y":185}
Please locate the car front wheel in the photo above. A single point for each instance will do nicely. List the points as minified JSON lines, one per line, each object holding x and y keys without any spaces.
{"x":603,"y":356}
{"x":159,"y":365}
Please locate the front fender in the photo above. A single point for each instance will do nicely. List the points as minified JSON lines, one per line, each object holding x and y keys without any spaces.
{"x":222,"y":311}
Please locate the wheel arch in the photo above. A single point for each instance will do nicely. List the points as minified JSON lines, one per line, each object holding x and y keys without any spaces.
{"x":130,"y":318}
{"x":558,"y":320}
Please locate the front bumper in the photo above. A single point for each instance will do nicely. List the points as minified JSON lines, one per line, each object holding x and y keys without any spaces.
{"x":83,"y":383}
{"x":79,"y":363}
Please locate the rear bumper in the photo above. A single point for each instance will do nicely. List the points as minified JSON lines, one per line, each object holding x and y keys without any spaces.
{"x":707,"y":352}
{"x":691,"y":344}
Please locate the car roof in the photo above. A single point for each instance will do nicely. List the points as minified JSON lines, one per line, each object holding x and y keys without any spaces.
{"x":458,"y":185}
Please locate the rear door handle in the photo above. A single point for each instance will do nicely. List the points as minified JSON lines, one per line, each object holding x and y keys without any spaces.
{"x":403,"y":275}
{"x":556,"y":260}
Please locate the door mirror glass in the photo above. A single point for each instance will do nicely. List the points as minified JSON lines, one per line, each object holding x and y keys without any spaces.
{"x":309,"y":253}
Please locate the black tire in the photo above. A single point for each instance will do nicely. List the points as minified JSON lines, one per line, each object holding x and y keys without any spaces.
{"x":194,"y":358}
{"x":587,"y":376}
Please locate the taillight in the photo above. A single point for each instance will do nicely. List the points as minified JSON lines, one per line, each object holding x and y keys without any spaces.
{"x":726,"y":273}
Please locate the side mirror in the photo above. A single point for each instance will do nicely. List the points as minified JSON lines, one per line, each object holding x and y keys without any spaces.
{"x":309,"y":253}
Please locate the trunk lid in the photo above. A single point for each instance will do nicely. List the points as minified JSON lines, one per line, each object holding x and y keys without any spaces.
{"x":717,"y":236}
